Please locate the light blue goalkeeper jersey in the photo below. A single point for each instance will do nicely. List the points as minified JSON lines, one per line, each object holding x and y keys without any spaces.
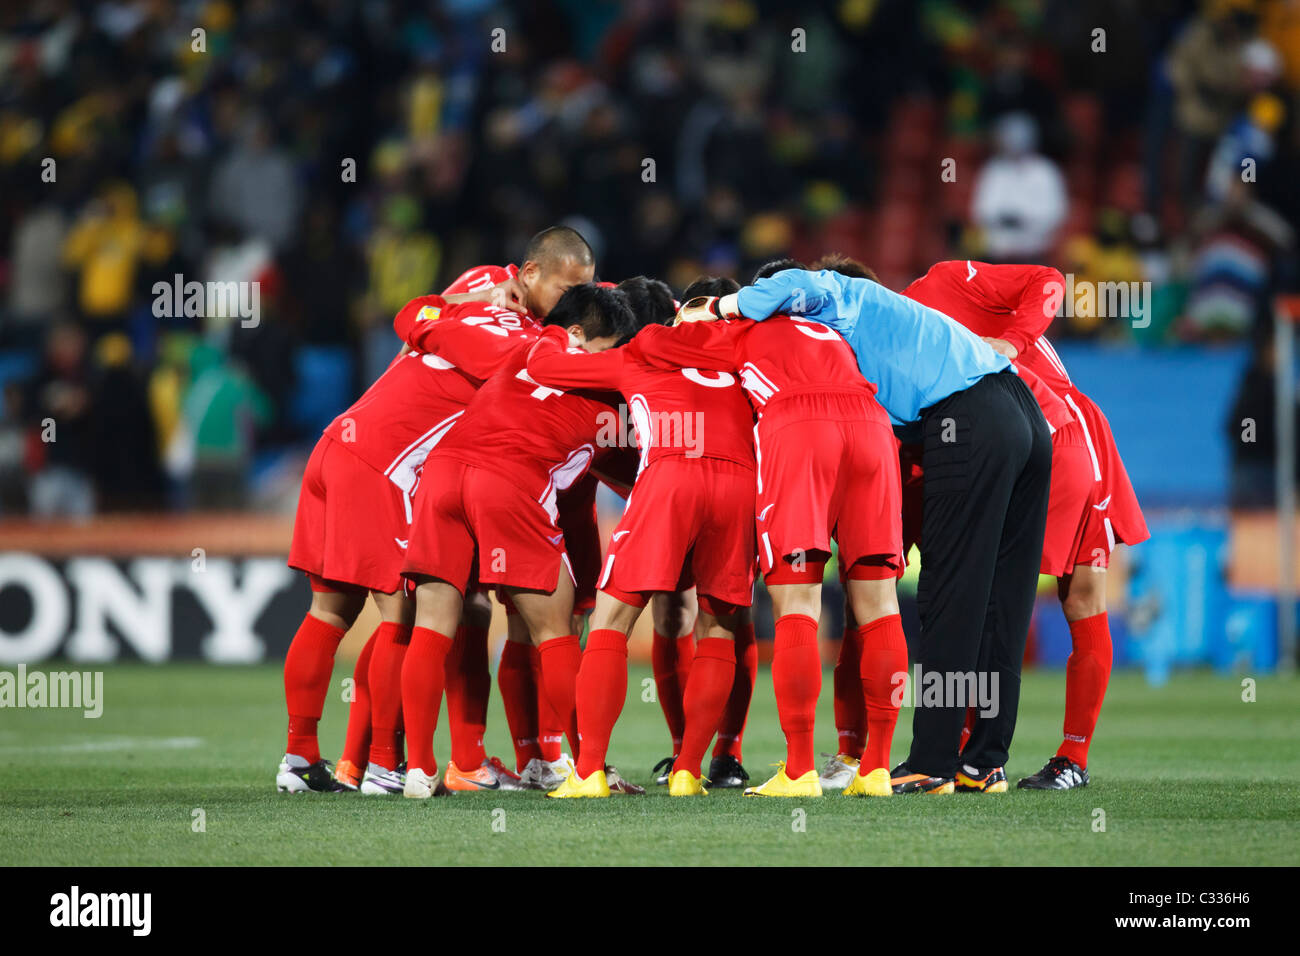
{"x":915,"y":355}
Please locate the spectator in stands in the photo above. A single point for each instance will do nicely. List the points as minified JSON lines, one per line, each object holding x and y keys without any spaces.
{"x":255,"y":187}
{"x":1207,"y":70}
{"x":1020,"y":199}
{"x":58,"y":405}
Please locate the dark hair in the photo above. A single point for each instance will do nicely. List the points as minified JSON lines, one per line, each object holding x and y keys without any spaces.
{"x":651,"y":301}
{"x":845,"y":266}
{"x":775,"y":266}
{"x":599,"y":312}
{"x":710,"y":285}
{"x":554,"y":245}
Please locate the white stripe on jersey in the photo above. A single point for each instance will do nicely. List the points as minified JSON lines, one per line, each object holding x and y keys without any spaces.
{"x":1053,"y":359}
{"x":1087,"y":436}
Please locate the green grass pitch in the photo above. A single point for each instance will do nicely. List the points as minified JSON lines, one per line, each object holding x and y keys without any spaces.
{"x":1184,"y":774}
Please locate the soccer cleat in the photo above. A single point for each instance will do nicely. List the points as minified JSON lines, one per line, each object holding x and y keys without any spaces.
{"x":480,"y":778}
{"x":682,"y":784}
{"x":594,"y":786}
{"x":507,"y":778}
{"x":726,"y":773}
{"x":348,"y":774}
{"x":537,"y":775}
{"x":618,"y":785}
{"x":904,"y":780}
{"x":663,"y":770}
{"x":973,"y":780}
{"x":380,"y":781}
{"x":838,"y":772}
{"x":1061,"y":773}
{"x":296,"y":775}
{"x":807,"y":785}
{"x":873,"y":784}
{"x":421,"y":786}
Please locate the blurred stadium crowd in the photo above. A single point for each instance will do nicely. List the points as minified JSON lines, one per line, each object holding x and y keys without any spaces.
{"x":224,"y":155}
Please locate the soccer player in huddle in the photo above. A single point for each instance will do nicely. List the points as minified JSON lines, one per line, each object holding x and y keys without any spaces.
{"x":691,"y":509}
{"x":986,"y":460}
{"x":826,"y":465}
{"x":487,"y":498}
{"x":390,"y":430}
{"x":1092,"y":506}
{"x":373,"y":453}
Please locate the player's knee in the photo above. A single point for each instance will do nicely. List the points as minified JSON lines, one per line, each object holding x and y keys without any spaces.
{"x":1085,"y":595}
{"x":673,"y":613}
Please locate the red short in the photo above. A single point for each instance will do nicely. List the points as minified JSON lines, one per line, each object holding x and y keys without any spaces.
{"x":828,"y":467}
{"x":351,"y":527}
{"x":465,"y":514}
{"x":1071,"y":511}
{"x":1121,"y":516}
{"x":686,"y":519}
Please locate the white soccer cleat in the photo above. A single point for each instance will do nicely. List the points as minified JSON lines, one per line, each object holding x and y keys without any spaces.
{"x":380,"y":781}
{"x":420,"y":786}
{"x":541,"y":774}
{"x":838,"y":771}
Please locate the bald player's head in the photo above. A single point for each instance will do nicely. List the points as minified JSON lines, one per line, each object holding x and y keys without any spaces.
{"x":555,"y":259}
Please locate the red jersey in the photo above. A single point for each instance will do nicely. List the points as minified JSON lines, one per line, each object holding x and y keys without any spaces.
{"x":683,"y":412}
{"x":542,"y":438}
{"x":1011,"y":302}
{"x":419,"y":397}
{"x":776,"y":357}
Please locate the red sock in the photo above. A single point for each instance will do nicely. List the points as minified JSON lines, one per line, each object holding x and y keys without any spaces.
{"x":391,"y":642}
{"x":668,"y":685}
{"x":731,"y":729}
{"x":307,"y":670}
{"x":850,"y":705}
{"x":1087,"y":672}
{"x":884,"y":659}
{"x":707,"y":690}
{"x":519,"y":695}
{"x":550,"y":732}
{"x":423,"y":676}
{"x":469,"y":683}
{"x":560,"y":659}
{"x":601,"y":691}
{"x":797,"y":680}
{"x":356,"y":745}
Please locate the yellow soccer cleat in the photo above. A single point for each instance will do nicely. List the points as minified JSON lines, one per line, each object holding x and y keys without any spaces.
{"x":682,"y":784}
{"x":594,"y":786}
{"x":874,"y":784}
{"x":782,"y":786}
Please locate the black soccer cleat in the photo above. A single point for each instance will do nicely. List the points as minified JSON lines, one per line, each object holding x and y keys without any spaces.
{"x":903,"y":780}
{"x":726,"y":773}
{"x":663,"y":770}
{"x":1061,"y":773}
{"x":296,"y":775}
{"x":974,"y":780}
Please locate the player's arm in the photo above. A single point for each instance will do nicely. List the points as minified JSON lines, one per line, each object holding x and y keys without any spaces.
{"x":1030,"y":294}
{"x":474,"y":337}
{"x":552,"y":363}
{"x":706,"y":345}
{"x":791,"y":292}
